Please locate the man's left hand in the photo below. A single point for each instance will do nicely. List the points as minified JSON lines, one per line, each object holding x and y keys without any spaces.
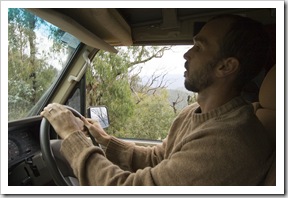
{"x":62,"y":120}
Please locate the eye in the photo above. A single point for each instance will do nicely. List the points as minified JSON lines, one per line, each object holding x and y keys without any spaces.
{"x":196,"y":47}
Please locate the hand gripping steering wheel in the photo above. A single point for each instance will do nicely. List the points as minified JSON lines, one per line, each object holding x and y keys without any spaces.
{"x":48,"y":155}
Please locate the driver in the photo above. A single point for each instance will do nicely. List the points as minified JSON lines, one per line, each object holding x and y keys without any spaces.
{"x":216,"y":141}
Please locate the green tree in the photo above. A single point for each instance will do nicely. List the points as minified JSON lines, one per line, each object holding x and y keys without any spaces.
{"x":107,"y":84}
{"x":21,"y":26}
{"x":110,"y":82}
{"x":29,"y":70}
{"x":151,"y":119}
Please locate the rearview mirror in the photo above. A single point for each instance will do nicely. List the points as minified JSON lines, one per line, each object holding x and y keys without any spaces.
{"x":99,"y":113}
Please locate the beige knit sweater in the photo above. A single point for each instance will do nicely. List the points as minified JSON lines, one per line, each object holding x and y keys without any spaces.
{"x":226,"y":146}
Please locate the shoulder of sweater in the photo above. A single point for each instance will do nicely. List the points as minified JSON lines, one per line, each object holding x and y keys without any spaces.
{"x":190,"y":107}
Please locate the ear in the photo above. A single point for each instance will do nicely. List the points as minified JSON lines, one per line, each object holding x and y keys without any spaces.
{"x":226,"y":67}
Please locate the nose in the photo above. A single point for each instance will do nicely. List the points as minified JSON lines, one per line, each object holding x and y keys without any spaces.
{"x":187,"y":54}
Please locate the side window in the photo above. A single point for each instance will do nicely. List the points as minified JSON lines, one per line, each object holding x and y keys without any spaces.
{"x":38,"y":52}
{"x":77,"y":98}
{"x":143,"y":88}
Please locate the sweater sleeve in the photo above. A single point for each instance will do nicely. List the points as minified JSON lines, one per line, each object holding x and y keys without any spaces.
{"x":197,"y":160}
{"x":91,"y":166}
{"x":132,"y":157}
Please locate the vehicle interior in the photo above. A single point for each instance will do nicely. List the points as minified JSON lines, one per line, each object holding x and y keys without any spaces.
{"x":106,"y":29}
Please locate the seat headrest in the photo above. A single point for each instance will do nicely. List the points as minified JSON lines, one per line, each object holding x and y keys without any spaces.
{"x":267,"y":93}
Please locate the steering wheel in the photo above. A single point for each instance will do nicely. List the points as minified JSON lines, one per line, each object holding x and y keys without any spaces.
{"x":48,"y":156}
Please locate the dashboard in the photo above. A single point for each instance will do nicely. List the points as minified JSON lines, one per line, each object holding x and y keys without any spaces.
{"x":22,"y":144}
{"x":25,"y":163}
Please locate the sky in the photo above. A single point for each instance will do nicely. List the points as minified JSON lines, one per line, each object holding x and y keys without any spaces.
{"x":171,"y":63}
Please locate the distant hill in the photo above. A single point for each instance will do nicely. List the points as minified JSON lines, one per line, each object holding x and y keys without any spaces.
{"x":179,"y":96}
{"x":176,"y":89}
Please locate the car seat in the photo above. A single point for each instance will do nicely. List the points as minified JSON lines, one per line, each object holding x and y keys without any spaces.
{"x":265,"y":110}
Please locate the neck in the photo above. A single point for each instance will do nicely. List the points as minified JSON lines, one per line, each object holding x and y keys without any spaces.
{"x":212,"y":98}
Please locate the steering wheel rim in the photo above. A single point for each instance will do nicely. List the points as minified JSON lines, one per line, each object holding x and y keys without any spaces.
{"x":47,"y":153}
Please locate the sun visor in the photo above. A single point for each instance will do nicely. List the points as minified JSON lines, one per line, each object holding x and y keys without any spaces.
{"x":68,"y":24}
{"x":106,"y":23}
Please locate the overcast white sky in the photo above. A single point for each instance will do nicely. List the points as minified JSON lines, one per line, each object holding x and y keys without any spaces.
{"x":171,"y":64}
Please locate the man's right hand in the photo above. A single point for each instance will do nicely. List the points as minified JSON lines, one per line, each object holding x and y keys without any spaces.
{"x":96,"y":131}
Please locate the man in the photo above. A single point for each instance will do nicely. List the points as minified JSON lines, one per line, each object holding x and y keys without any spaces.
{"x":216,"y":141}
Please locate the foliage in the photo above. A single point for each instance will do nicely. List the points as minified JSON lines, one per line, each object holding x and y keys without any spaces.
{"x":107,"y":84}
{"x":151,"y":119}
{"x":30,"y":72}
{"x":110,"y":82}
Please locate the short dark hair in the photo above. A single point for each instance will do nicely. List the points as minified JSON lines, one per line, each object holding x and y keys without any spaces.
{"x":248,"y":41}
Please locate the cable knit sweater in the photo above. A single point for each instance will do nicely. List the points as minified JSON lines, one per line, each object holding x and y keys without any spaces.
{"x":226,"y":146}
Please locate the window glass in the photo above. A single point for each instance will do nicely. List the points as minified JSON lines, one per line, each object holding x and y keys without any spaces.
{"x":75,"y":100}
{"x":143,"y":88}
{"x":37,"y":54}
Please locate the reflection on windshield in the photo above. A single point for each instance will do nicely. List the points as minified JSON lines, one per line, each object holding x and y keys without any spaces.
{"x":37,"y":53}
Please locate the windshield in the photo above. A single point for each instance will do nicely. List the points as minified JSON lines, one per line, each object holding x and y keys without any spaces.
{"x":37,"y":54}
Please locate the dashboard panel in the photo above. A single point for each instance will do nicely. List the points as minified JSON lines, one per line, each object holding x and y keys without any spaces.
{"x":23,"y":140}
{"x":25,"y":163}
{"x":22,"y":144}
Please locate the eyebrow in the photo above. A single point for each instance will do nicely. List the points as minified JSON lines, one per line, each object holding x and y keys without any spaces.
{"x":200,"y":39}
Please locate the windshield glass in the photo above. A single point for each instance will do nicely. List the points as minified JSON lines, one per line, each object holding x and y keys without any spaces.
{"x":37,"y":54}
